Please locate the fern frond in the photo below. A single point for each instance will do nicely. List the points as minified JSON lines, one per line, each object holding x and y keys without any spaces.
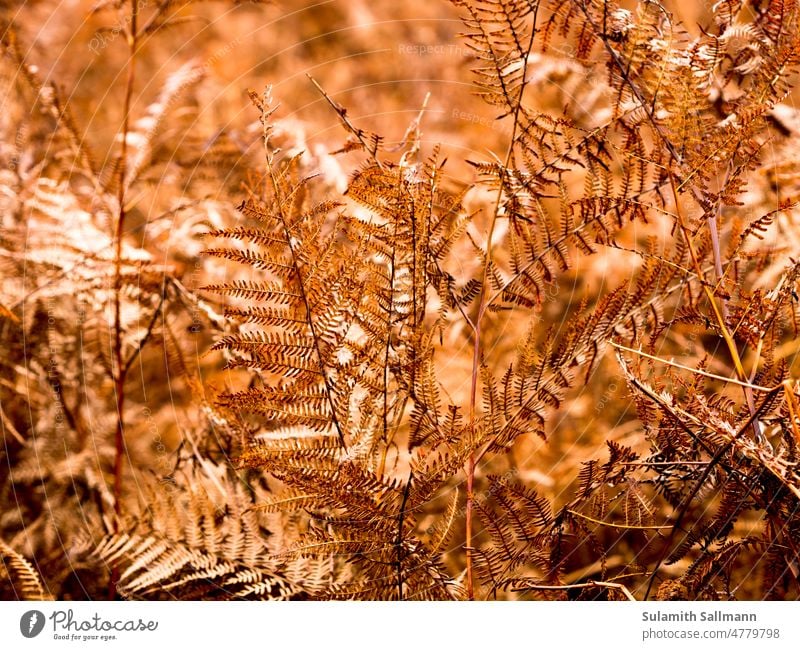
{"x":25,"y":582}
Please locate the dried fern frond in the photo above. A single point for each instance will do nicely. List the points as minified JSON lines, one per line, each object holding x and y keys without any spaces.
{"x":196,"y":544}
{"x":24,"y":581}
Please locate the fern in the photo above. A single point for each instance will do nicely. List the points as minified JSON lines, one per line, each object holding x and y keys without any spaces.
{"x":188,"y":547}
{"x":406,"y":371}
{"x":24,"y":582}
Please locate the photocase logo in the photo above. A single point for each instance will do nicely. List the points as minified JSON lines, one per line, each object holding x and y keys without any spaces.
{"x":31,"y":623}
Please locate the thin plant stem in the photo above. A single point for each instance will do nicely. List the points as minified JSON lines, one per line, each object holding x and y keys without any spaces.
{"x":719,"y":311}
{"x":266,"y":111}
{"x":119,"y":360}
{"x":608,"y":524}
{"x":697,"y":371}
{"x":577,"y":585}
{"x":483,"y":303}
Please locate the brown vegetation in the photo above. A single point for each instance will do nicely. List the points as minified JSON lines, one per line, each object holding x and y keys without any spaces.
{"x":521,"y":323}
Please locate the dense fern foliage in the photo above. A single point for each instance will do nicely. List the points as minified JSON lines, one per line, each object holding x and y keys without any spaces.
{"x":564,"y":369}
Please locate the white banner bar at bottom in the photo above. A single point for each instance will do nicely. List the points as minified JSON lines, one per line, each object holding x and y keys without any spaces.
{"x":398,"y":626}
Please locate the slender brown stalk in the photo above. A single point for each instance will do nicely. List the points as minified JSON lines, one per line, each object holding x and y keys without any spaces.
{"x":719,"y":311}
{"x":264,"y":107}
{"x":386,"y":367}
{"x":482,"y":306}
{"x":399,"y":540}
{"x":121,"y":368}
{"x":580,"y":585}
